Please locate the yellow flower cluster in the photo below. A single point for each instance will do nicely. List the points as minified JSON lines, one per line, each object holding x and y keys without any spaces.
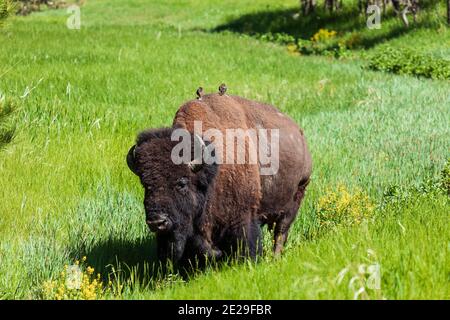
{"x":343,"y":207}
{"x":323,"y":35}
{"x":293,"y":49}
{"x":76,"y":282}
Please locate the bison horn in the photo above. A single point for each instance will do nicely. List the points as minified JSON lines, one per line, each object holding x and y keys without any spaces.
{"x":196,"y":164}
{"x":131,"y":159}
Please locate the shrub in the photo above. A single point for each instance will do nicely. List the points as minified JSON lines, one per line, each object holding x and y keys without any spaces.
{"x":445,"y":177}
{"x":279,"y":38}
{"x":6,"y":9}
{"x":323,"y":35}
{"x":406,"y":61}
{"x":341,"y":207}
{"x":7,"y":130}
{"x":353,"y":41}
{"x":323,"y":42}
{"x":76,"y":282}
{"x":397,"y":195}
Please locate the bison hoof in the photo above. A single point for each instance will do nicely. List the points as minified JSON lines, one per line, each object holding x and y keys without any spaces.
{"x":215,"y":254}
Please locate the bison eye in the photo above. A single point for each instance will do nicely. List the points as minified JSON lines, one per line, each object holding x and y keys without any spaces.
{"x":182,"y":182}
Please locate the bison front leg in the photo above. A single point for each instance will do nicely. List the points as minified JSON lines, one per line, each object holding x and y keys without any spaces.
{"x":285,"y":219}
{"x":246,"y":241}
{"x":204,"y":248}
{"x":255,"y":242}
{"x":170,"y":247}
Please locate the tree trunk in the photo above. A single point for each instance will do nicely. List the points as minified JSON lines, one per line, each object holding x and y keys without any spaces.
{"x":448,"y":12}
{"x":332,"y":5}
{"x":308,"y":6}
{"x":396,"y":5}
{"x":329,"y":4}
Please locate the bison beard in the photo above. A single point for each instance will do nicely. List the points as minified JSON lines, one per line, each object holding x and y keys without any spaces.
{"x":209,"y":210}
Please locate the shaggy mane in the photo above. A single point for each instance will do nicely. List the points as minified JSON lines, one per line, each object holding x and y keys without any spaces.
{"x":153,"y":134}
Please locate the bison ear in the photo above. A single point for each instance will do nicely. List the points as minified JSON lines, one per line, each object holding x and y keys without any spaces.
{"x":131,"y":161}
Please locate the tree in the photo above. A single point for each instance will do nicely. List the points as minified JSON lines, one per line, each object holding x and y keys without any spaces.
{"x":332,"y":5}
{"x":448,"y":12}
{"x":307,"y":6}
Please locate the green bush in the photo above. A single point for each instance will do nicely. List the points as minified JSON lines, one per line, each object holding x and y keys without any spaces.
{"x":445,"y":177}
{"x":343,"y":207}
{"x":324,"y":42}
{"x":405,"y":61}
{"x":78,"y":282}
{"x":279,"y":38}
{"x":7,"y":129}
{"x":6,"y":8}
{"x":398,"y":195}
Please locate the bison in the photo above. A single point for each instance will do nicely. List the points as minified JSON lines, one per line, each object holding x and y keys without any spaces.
{"x":208,"y":209}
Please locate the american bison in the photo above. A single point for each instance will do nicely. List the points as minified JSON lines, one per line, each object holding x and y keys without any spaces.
{"x":210,"y":208}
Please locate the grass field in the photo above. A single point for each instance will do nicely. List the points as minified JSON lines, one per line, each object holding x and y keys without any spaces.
{"x":83,"y":95}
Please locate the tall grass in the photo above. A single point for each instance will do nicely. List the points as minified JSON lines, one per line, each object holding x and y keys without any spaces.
{"x":66,"y":192}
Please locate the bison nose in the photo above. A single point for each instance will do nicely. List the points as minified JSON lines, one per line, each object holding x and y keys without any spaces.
{"x":159,"y":223}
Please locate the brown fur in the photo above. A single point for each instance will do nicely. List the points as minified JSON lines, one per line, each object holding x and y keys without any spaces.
{"x":223,"y":206}
{"x":241,"y":194}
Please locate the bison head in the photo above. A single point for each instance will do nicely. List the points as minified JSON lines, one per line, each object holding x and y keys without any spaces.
{"x":174,"y":194}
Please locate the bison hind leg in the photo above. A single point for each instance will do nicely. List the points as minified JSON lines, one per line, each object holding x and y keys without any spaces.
{"x":281,"y":232}
{"x":285,"y":219}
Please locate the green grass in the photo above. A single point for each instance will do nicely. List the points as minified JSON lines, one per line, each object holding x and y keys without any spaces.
{"x":401,"y":245}
{"x":65,"y":189}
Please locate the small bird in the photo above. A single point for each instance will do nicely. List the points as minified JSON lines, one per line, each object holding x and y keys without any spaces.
{"x":199,"y":93}
{"x":222,"y":89}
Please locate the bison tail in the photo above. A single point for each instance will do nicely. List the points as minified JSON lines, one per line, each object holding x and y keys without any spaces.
{"x":301,"y":189}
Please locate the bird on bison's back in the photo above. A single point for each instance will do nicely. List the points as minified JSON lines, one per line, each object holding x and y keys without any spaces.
{"x":208,"y":210}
